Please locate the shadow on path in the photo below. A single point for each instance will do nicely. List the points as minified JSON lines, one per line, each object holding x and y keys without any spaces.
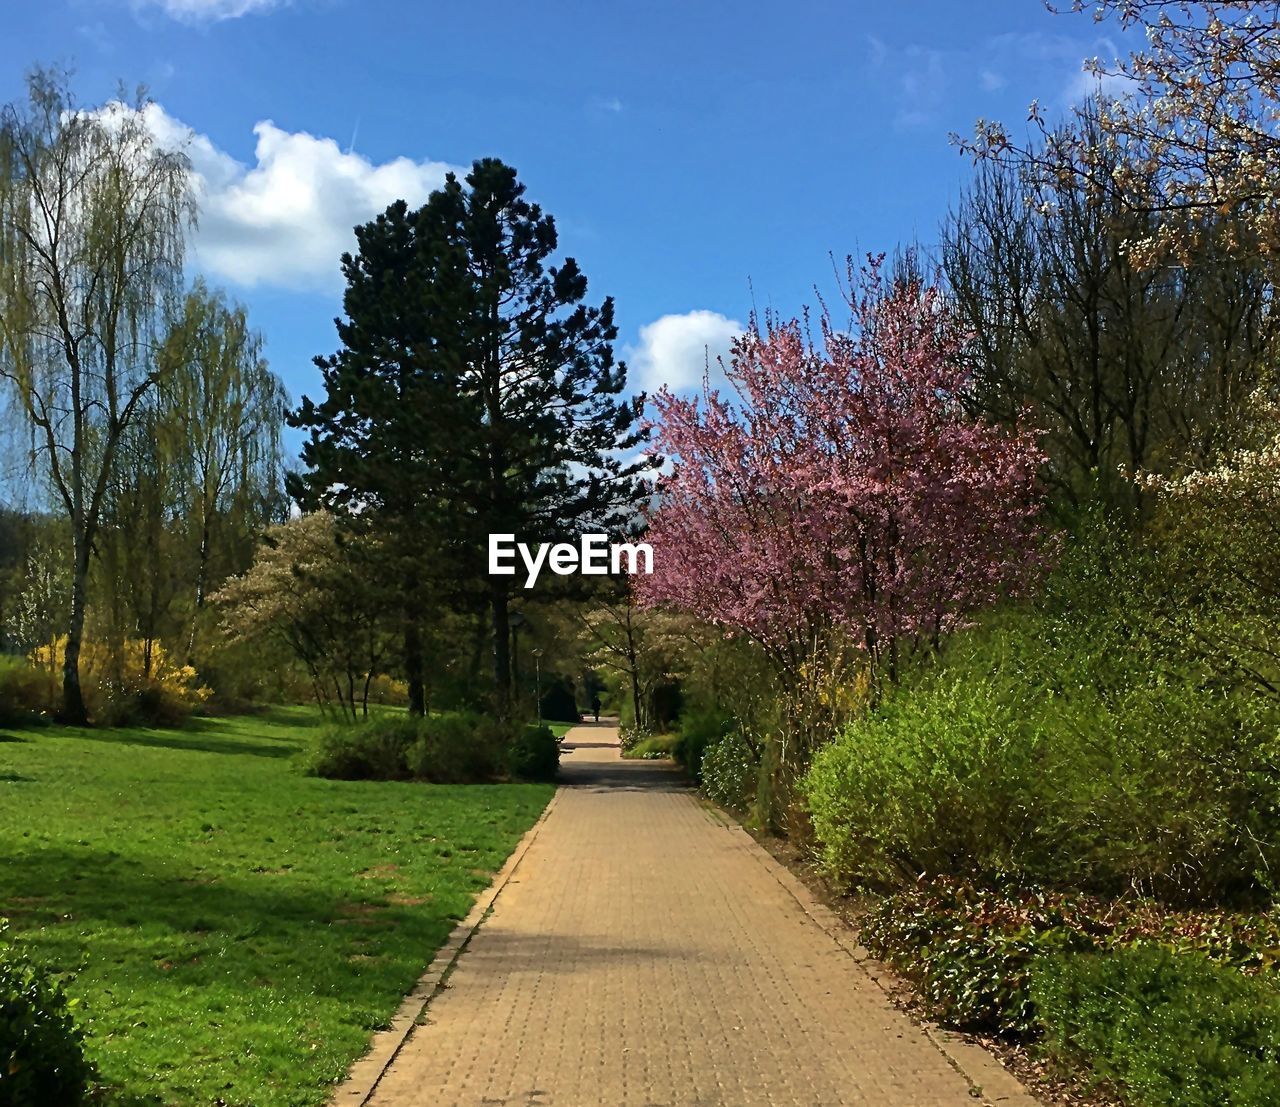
{"x":597,"y":765}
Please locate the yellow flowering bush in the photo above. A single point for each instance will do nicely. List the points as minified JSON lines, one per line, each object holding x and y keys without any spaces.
{"x":134,"y":682}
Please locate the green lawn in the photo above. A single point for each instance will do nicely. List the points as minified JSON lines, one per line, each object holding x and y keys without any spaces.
{"x":237,"y":930}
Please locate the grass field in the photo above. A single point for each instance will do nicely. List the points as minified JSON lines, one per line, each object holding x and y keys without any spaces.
{"x":236,"y":929}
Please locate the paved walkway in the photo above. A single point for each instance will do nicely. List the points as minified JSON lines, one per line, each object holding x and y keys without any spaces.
{"x":646,"y":952}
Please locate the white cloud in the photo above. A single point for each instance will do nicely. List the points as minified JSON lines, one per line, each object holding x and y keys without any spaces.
{"x":1064,"y":53}
{"x":209,"y":11}
{"x":922,"y":84}
{"x":676,"y":350}
{"x":917,"y":76}
{"x":1105,"y":87}
{"x":991,"y":81}
{"x":287,"y":218}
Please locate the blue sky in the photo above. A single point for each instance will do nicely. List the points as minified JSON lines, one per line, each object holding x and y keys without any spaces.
{"x":691,"y":151}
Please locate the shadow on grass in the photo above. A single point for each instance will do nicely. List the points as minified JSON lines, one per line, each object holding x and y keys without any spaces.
{"x":187,"y":740}
{"x":298,"y":938}
{"x":128,"y":929}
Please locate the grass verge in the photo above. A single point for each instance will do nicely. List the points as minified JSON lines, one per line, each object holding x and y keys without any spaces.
{"x":653,"y":748}
{"x":236,"y":929}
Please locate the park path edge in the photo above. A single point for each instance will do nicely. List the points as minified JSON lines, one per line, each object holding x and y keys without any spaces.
{"x":362,"y":1079}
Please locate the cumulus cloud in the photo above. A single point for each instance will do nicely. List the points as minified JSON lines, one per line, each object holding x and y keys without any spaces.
{"x":676,"y":350}
{"x":286,"y":218}
{"x":208,"y":11}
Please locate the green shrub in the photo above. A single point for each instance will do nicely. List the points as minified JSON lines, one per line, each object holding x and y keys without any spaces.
{"x":1169,"y":1029}
{"x":630,"y":735}
{"x":698,"y":730}
{"x":940,"y":780}
{"x":970,"y":951}
{"x":374,"y":749}
{"x":41,"y":1049}
{"x":653,"y":747}
{"x":535,"y":754}
{"x":455,"y":748}
{"x":152,"y":705}
{"x":559,"y":704}
{"x":730,"y":768}
{"x":1062,"y":750}
{"x":26,"y":692}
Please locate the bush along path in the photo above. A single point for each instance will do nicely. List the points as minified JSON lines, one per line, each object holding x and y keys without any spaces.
{"x":646,"y":951}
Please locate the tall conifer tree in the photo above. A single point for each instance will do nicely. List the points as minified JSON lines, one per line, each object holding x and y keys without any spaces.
{"x":476,"y":392}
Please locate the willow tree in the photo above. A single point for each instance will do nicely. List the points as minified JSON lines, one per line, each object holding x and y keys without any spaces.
{"x":223,"y":411}
{"x":92,"y":221}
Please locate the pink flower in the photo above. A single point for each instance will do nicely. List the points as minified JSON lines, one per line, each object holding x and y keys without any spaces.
{"x":845,"y":484}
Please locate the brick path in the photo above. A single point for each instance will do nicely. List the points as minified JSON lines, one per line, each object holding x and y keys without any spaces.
{"x":644,"y":952}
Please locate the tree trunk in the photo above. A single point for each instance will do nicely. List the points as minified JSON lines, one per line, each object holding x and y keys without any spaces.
{"x":637,"y":699}
{"x":202,"y":574}
{"x":413,"y":668}
{"x":73,"y":711}
{"x":501,"y":651}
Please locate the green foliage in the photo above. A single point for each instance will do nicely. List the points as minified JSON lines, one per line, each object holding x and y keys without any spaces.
{"x":1169,"y":1029}
{"x":653,"y":747}
{"x":535,"y":754}
{"x":730,"y":769}
{"x":699,"y":728}
{"x":938,"y":780}
{"x":24,"y":691}
{"x":1072,"y":745}
{"x":376,"y":749}
{"x":456,"y":747}
{"x":237,"y":929}
{"x":42,"y":1057}
{"x":558,"y":701}
{"x":970,"y":951}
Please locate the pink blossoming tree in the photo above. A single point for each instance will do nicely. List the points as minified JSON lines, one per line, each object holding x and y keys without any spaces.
{"x":842,"y":494}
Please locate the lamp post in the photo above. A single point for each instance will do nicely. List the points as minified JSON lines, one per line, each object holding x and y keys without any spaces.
{"x":537,"y":687}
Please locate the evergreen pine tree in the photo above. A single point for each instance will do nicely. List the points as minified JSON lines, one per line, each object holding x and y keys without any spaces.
{"x":476,"y":392}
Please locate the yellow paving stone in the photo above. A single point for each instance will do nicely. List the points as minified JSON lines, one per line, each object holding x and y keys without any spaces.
{"x":644,"y":953}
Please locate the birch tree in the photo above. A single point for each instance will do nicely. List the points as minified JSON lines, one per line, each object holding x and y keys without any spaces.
{"x":92,"y":220}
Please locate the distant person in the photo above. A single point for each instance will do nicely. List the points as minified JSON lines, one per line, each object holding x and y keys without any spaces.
{"x":595,"y":707}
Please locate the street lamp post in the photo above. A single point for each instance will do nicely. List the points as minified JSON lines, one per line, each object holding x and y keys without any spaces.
{"x":537,"y":686}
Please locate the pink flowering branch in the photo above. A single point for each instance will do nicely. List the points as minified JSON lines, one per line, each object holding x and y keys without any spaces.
{"x":843,"y":485}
